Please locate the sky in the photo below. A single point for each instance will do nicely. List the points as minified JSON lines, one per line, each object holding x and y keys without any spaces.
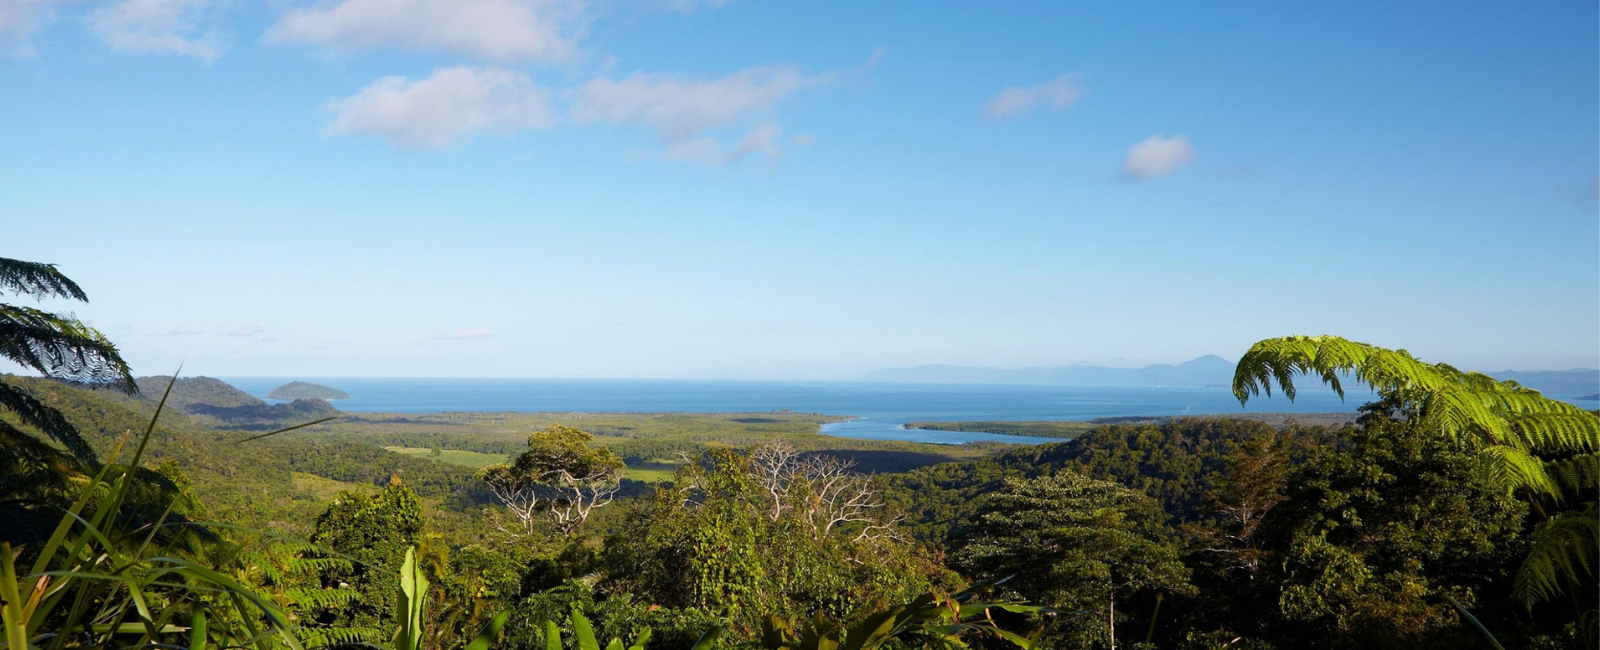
{"x":753,"y":188}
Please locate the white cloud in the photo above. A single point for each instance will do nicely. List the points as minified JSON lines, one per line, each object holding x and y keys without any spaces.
{"x":1158,"y":156}
{"x":177,"y":332}
{"x":248,"y":330}
{"x":680,"y":109}
{"x":495,"y":30}
{"x":469,"y":333}
{"x":18,"y":20}
{"x":1057,"y":94}
{"x":156,"y":26}
{"x":448,"y":105}
{"x":763,"y":140}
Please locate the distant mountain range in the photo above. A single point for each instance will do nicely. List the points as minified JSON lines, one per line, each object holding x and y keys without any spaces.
{"x":1209,"y":370}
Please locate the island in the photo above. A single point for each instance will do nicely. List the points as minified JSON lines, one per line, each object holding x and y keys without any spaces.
{"x":306,"y":390}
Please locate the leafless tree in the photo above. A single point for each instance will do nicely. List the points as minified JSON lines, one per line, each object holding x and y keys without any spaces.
{"x":774,"y":464}
{"x":823,"y":491}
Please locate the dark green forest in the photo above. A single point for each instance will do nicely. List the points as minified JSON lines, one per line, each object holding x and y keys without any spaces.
{"x":1456,"y":512}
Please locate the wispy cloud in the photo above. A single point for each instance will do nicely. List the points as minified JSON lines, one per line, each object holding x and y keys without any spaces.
{"x":691,"y":6}
{"x":247,"y":330}
{"x":763,"y":141}
{"x":157,"y":26}
{"x":1057,"y":94}
{"x":680,"y":108}
{"x":449,"y":104}
{"x":469,"y":333}
{"x":176,"y":332}
{"x":493,"y":30}
{"x":18,"y":20}
{"x":1158,"y":156}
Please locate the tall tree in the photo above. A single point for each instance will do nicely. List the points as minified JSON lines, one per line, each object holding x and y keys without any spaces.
{"x":53,"y":345}
{"x":560,"y":478}
{"x":1075,"y":543}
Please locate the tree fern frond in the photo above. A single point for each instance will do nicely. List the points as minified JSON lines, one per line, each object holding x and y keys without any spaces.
{"x":322,"y":637}
{"x":1563,"y":549}
{"x":62,"y":347}
{"x":1516,"y":469}
{"x":307,"y":598}
{"x":38,"y":280}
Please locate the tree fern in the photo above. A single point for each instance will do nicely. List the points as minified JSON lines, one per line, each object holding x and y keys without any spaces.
{"x":1525,"y":442}
{"x":53,"y":345}
{"x":1562,"y":547}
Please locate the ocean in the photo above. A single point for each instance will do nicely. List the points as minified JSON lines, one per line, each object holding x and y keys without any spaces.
{"x":878,"y":409}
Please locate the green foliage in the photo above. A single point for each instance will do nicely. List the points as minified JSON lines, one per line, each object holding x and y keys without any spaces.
{"x":52,"y":345}
{"x":1046,"y":429}
{"x":560,"y":478}
{"x":725,"y":539}
{"x":105,"y":578}
{"x":583,"y":637}
{"x":375,"y":533}
{"x":1357,"y":555}
{"x":1075,"y":543}
{"x":1507,"y":422}
{"x":1542,"y":448}
{"x":931,"y":620}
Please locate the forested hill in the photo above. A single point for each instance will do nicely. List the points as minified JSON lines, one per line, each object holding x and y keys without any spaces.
{"x":275,"y":479}
{"x":187,"y":391}
{"x":217,"y":403}
{"x":306,"y":390}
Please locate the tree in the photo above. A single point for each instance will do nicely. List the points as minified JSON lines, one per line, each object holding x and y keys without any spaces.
{"x":374,"y":532}
{"x":1543,"y":450}
{"x":560,"y":478}
{"x":823,"y":491}
{"x":1075,"y":543}
{"x":53,"y":345}
{"x":709,"y":541}
{"x":1373,"y":537}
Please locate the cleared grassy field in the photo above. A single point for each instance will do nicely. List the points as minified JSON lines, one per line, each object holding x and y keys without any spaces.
{"x":473,"y":459}
{"x":654,"y":471}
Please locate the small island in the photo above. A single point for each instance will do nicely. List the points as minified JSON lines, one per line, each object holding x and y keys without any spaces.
{"x":306,"y":390}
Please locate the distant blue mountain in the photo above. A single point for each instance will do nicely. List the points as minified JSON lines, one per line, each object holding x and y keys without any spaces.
{"x":1209,"y":370}
{"x":1577,"y":381}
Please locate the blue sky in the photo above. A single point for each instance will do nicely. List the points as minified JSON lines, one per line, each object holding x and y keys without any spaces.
{"x":683,"y":188}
